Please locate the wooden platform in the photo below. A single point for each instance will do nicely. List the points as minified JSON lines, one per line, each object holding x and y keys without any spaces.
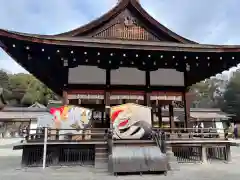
{"x":199,"y":141}
{"x":132,"y":141}
{"x":21,"y":145}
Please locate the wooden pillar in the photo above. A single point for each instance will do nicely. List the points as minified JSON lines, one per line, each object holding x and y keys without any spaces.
{"x":107,"y":98}
{"x":147,"y":102}
{"x":228,"y":152}
{"x":185,"y":111}
{"x":107,"y":109}
{"x":152,"y":115}
{"x":159,"y":114}
{"x":186,"y":105}
{"x":204,"y":154}
{"x":65,"y":98}
{"x":171,"y":116}
{"x":102,"y":113}
{"x":147,"y":94}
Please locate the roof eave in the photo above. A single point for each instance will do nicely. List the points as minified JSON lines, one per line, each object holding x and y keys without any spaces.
{"x":107,"y":43}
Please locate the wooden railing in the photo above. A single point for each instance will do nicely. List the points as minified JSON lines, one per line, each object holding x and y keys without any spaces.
{"x":189,"y":146}
{"x":192,"y":133}
{"x":91,"y":134}
{"x":95,"y":134}
{"x":199,"y":151}
{"x":185,"y":146}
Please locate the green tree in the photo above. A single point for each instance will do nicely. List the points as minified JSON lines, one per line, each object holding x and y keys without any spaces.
{"x":19,"y":84}
{"x":24,"y":89}
{"x":2,"y":101}
{"x":209,"y":93}
{"x":231,"y":95}
{"x":4,"y":80}
{"x":5,"y":85}
{"x":35,"y":91}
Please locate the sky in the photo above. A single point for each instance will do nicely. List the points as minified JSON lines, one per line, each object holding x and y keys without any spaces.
{"x":204,"y":21}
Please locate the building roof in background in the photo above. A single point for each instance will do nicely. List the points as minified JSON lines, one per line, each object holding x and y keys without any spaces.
{"x":23,"y":109}
{"x":21,"y":116}
{"x":23,"y":113}
{"x":37,"y":105}
{"x":199,"y":114}
{"x":54,"y":104}
{"x":209,"y":115}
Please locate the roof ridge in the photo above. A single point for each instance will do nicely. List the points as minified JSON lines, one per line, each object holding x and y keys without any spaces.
{"x":122,"y":5}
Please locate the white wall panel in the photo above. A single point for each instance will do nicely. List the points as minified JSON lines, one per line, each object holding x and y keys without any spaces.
{"x":127,"y":76}
{"x":167,"y":77}
{"x":86,"y":75}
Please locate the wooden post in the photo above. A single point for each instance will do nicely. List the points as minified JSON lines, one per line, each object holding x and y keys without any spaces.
{"x":204,"y":154}
{"x":102,"y":113}
{"x":107,"y":109}
{"x":57,"y":134}
{"x":65,"y":98}
{"x":171,"y":117}
{"x":159,"y":114}
{"x":147,"y":102}
{"x":228,"y":153}
{"x":45,"y":147}
{"x":185,"y":110}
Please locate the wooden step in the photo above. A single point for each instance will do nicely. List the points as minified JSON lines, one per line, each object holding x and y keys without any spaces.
{"x":101,"y":162}
{"x":101,"y":146}
{"x":101,"y":150}
{"x":101,"y":157}
{"x":103,"y":166}
{"x":101,"y":153}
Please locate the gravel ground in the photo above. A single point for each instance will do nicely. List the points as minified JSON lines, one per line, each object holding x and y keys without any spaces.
{"x":10,"y":169}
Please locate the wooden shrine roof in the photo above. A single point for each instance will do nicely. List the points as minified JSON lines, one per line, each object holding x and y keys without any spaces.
{"x":126,"y":21}
{"x":44,"y":56}
{"x":115,"y":43}
{"x":126,"y":36}
{"x":135,"y":8}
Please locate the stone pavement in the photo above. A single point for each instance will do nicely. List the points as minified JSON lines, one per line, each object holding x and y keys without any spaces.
{"x":237,"y":141}
{"x":10,"y":169}
{"x":9,"y":141}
